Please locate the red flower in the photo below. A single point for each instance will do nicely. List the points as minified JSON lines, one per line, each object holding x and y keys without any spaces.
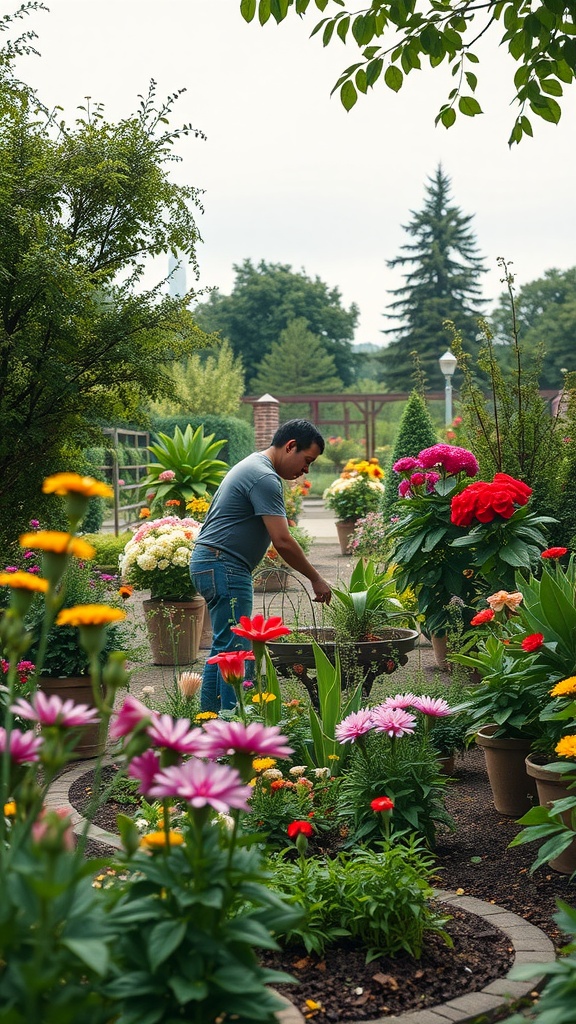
{"x":532,"y":642}
{"x":486,"y":615}
{"x":553,"y":552}
{"x":259,"y":629}
{"x":299,"y":828}
{"x":382,"y":803}
{"x":231,"y":665}
{"x":277,"y":784}
{"x":483,"y":501}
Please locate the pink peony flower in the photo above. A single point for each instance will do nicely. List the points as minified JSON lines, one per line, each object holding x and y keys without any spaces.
{"x":176,"y":734}
{"x":23,"y":746}
{"x":436,"y":707}
{"x":356,"y":724}
{"x":203,"y":784}
{"x":145,"y":767}
{"x":256,"y":739}
{"x":54,"y":711}
{"x":394,"y":721}
{"x":129,"y":716}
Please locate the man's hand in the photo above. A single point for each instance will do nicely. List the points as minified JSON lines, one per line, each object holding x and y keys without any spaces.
{"x":322,"y":589}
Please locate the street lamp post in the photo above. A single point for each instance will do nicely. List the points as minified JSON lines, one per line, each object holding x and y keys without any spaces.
{"x":448,"y":363}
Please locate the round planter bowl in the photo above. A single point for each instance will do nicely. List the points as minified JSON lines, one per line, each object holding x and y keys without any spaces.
{"x":394,"y":644}
{"x":513,"y":791}
{"x":552,"y":786}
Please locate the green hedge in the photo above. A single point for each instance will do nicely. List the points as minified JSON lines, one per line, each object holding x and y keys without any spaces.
{"x":239,"y":435}
{"x":108,"y":548}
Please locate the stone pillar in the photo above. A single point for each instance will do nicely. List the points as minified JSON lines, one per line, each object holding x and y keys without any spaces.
{"x":266,"y":420}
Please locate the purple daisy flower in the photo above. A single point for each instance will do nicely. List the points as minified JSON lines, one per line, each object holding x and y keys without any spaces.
{"x":145,"y":767}
{"x":128,"y":717}
{"x":436,"y":707}
{"x":401,"y":700}
{"x":176,"y":734}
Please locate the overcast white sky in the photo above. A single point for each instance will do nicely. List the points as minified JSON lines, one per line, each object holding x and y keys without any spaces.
{"x":288,"y":175}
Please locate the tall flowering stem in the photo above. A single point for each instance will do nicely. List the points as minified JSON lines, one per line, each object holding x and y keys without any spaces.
{"x":259,"y":631}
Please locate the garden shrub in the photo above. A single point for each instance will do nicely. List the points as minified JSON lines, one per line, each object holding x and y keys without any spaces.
{"x":416,"y":431}
{"x":108,"y":548}
{"x":379,"y":900}
{"x":239,"y":435}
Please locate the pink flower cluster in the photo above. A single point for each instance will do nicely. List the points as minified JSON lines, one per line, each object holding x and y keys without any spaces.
{"x":420,"y":472}
{"x":390,"y":717}
{"x":24,"y":669}
{"x":154,"y":524}
{"x":197,"y":779}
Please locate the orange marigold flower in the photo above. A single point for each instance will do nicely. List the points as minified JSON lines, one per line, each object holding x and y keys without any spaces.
{"x":58,"y":543}
{"x":23,"y":581}
{"x":277,"y":784}
{"x":172,"y":501}
{"x":65,"y":483}
{"x":565,"y":687}
{"x":157,"y":840}
{"x":144,"y":513}
{"x":90,"y":615}
{"x":125,"y":591}
{"x":566,"y":747}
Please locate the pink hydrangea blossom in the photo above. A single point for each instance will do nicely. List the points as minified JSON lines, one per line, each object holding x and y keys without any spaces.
{"x":166,"y":475}
{"x":451,"y":458}
{"x":436,"y":707}
{"x":153,"y":524}
{"x":356,"y":724}
{"x":176,"y":734}
{"x":203,"y":784}
{"x":226,"y":738}
{"x":130,"y":715}
{"x":406,"y":465}
{"x":54,"y":711}
{"x":145,"y":767}
{"x":24,"y":747}
{"x":394,"y":721}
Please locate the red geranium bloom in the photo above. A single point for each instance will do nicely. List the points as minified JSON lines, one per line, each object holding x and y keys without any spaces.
{"x":299,"y":828}
{"x":382,"y":803}
{"x":532,"y":642}
{"x":260,"y":629}
{"x":553,"y":552}
{"x":486,"y":615}
{"x":231,"y":664}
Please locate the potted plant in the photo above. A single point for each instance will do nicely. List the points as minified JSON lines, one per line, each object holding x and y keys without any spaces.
{"x":357,"y":491}
{"x":273,"y":573}
{"x":157,"y":558}
{"x":186,"y":468}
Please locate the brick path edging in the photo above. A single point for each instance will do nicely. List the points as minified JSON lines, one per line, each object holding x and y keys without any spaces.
{"x":530,"y":944}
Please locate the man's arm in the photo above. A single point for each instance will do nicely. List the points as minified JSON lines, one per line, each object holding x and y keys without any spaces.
{"x":292,"y":553}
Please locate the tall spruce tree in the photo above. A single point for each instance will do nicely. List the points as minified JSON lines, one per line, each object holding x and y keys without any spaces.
{"x":442,"y":271}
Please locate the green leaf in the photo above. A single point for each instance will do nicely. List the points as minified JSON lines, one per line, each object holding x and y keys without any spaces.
{"x":342,"y":28}
{"x":248,"y":9}
{"x":448,"y":116}
{"x":469,"y":105}
{"x":348,"y":95}
{"x":393,"y":78}
{"x":92,"y":952}
{"x":163,"y":939}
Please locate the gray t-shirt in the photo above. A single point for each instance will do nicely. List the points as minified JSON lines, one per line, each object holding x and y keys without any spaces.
{"x":250,"y":490}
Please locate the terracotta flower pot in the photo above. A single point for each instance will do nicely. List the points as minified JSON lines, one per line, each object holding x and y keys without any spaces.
{"x":513,"y":791}
{"x":92,"y":742}
{"x":174,"y":630}
{"x":552,"y":786}
{"x":345,"y":529}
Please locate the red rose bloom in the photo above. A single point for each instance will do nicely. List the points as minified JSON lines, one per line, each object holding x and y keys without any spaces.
{"x":532,"y":642}
{"x":299,"y":828}
{"x":553,"y":552}
{"x":486,"y":615}
{"x":382,"y":803}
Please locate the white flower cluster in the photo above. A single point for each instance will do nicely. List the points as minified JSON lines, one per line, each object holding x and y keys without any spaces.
{"x":343,"y":483}
{"x":165,"y":546}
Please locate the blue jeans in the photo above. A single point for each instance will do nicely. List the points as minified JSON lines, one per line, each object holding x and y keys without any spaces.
{"x":226,"y":586}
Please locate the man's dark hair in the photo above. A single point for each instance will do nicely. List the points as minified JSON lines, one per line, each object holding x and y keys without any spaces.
{"x":302,"y":431}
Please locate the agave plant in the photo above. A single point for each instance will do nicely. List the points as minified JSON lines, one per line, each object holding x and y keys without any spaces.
{"x":186,"y":466}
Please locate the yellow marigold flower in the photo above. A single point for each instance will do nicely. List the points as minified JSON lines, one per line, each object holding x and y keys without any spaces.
{"x":23,"y":581}
{"x":260,"y":764}
{"x":263,"y":697}
{"x":157,"y":840}
{"x":205,"y":716}
{"x":333,"y":757}
{"x":90,"y":615}
{"x":144,"y":513}
{"x":566,"y":686}
{"x":58,"y":543}
{"x":64,"y":483}
{"x":566,"y":747}
{"x":10,"y":809}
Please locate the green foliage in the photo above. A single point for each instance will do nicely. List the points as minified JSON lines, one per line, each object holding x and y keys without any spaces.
{"x":205,"y":383}
{"x":554,"y":825}
{"x":301,"y":797}
{"x":557,"y":1003}
{"x":404,"y":769}
{"x":264,"y":299}
{"x":82,"y":208}
{"x":240,"y":435}
{"x":395,"y":39}
{"x":191,"y":457}
{"x":380,"y":901}
{"x":366,"y":604}
{"x":442,"y":272}
{"x":108,"y":548}
{"x":297,"y":364}
{"x":334,"y":705}
{"x":416,"y":432}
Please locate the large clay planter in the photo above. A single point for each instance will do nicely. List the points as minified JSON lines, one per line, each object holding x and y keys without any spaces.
{"x":513,"y":791}
{"x":552,"y":786}
{"x":174,"y":630}
{"x":345,"y":529}
{"x":440,"y":648}
{"x":92,"y":742}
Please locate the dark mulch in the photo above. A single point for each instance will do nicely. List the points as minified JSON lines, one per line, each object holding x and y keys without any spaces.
{"x":474,"y":860}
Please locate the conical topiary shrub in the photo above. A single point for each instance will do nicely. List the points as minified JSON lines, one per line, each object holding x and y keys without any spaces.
{"x":415,"y":432}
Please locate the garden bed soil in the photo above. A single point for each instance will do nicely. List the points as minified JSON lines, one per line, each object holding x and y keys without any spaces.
{"x":473,"y":860}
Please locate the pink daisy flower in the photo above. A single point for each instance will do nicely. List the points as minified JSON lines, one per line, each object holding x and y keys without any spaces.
{"x":259,"y":740}
{"x":436,"y":707}
{"x":23,"y":746}
{"x":54,"y":711}
{"x":203,"y":784}
{"x":145,"y":767}
{"x":356,"y":724}
{"x":394,"y":721}
{"x":401,"y":700}
{"x":176,"y":734}
{"x":128,"y":717}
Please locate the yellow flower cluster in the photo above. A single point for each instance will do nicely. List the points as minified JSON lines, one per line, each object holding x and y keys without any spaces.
{"x":365,"y":467}
{"x":566,"y":686}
